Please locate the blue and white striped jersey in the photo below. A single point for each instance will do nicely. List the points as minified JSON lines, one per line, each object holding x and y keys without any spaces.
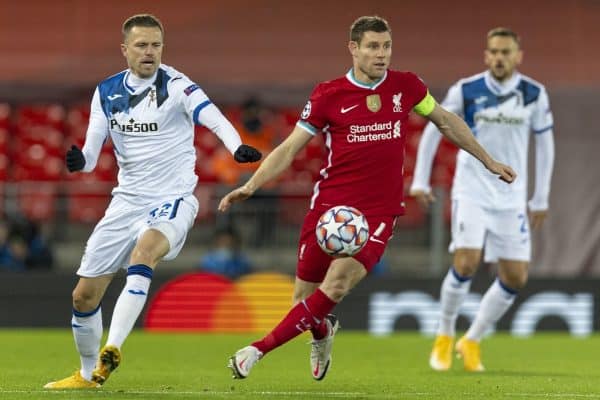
{"x":151,"y":126}
{"x":502,"y":116}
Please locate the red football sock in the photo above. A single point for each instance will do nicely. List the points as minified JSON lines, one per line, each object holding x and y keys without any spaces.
{"x":319,"y":331}
{"x":305,"y":315}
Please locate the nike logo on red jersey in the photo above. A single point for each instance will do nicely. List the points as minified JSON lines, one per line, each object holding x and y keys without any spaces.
{"x":345,"y":110}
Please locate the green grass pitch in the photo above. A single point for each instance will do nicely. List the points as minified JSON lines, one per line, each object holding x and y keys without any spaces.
{"x":188,"y":366}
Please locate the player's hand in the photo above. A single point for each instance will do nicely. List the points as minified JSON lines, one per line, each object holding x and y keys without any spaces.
{"x":505,"y":172}
{"x":423,"y":198}
{"x":239,"y":194}
{"x":75,"y":159}
{"x":537,"y":218}
{"x":246,"y":154}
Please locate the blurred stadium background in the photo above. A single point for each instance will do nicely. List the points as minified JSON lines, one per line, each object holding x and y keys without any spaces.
{"x":54,"y":53}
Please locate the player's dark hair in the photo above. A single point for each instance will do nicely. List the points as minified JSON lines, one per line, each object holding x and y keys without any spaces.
{"x":368,"y":24}
{"x":504,"y":32}
{"x":144,"y":20}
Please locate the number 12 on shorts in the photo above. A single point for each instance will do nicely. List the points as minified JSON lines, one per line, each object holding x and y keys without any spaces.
{"x":167,"y":210}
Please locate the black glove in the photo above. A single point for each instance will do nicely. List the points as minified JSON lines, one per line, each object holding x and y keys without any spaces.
{"x":246,"y":154}
{"x":75,"y":159}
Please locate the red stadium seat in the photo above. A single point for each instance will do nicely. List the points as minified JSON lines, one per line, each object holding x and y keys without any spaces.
{"x":4,"y":168}
{"x":5,"y":114}
{"x":37,"y":202}
{"x":204,"y":166}
{"x":51,"y":115}
{"x":4,"y":140}
{"x":76,"y":125}
{"x":34,"y":163}
{"x":290,"y":117}
{"x":206,"y":140}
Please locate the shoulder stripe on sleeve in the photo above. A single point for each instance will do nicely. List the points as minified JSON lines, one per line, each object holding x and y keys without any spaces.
{"x":546,"y":129}
{"x":307,"y":127}
{"x":199,"y":108}
{"x":425,"y":106}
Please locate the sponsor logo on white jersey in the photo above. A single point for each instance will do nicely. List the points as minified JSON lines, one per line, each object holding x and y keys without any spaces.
{"x":114,"y":96}
{"x":499,"y":119}
{"x":133,"y":127}
{"x":374,"y":132}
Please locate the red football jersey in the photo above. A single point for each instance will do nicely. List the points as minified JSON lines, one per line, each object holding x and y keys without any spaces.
{"x":363,"y":131}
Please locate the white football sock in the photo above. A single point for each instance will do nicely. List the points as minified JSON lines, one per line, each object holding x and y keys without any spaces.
{"x":452,"y":294}
{"x":87,"y":331}
{"x":129,"y":304}
{"x":495,"y":302}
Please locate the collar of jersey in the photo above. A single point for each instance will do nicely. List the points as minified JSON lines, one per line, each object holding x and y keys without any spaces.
{"x":140,"y":88}
{"x":356,"y":82}
{"x":504,"y":87}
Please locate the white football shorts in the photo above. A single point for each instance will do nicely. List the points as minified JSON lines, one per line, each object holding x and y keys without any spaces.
{"x":109,"y":247}
{"x":502,"y":234}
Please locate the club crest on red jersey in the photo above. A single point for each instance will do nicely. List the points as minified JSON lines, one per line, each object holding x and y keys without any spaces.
{"x":396,"y":99}
{"x":374,"y":103}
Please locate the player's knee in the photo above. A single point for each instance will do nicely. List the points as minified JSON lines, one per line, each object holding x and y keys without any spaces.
{"x":145,"y":255}
{"x":466,"y":262}
{"x":84,"y":300}
{"x":466,"y":267}
{"x":297,"y":298}
{"x":336,"y":290}
{"x":516,"y":281}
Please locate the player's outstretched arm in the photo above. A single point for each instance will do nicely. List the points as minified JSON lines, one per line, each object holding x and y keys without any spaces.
{"x":457,"y":131}
{"x":272,"y":166}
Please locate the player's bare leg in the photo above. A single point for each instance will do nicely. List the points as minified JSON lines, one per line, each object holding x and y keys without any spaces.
{"x":303,"y":289}
{"x":151,"y":247}
{"x":455,"y":288}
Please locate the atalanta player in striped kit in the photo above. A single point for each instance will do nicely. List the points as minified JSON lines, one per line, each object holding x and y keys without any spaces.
{"x":362,"y":116}
{"x":503,"y":108}
{"x":149,"y":112}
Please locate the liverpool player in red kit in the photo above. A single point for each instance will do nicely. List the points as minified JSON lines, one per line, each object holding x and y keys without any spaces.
{"x":361,"y":116}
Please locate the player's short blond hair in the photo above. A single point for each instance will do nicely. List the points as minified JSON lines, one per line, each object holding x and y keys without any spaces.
{"x":504,"y":32}
{"x":367,"y":24}
{"x":145,"y":20}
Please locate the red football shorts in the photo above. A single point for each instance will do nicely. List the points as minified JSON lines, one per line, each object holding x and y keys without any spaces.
{"x":314,"y":262}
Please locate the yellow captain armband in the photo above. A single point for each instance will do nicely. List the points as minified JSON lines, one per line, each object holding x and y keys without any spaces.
{"x":425,"y":106}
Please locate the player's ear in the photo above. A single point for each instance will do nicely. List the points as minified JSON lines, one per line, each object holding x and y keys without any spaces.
{"x":352,"y":47}
{"x":519,"y":57}
{"x":487,"y":59}
{"x":124,"y":49}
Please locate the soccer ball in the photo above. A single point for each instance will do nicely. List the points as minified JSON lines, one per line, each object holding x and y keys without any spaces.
{"x":342,"y":231}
